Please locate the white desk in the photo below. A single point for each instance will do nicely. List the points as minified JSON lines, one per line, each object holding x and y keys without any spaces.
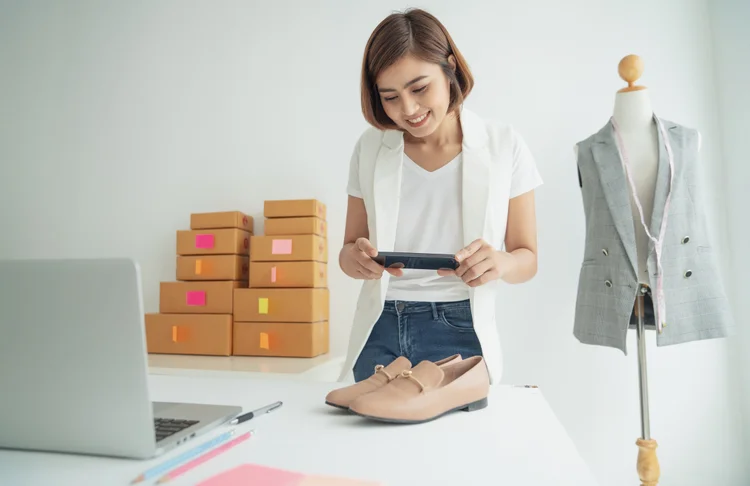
{"x":516,"y":441}
{"x":321,"y":368}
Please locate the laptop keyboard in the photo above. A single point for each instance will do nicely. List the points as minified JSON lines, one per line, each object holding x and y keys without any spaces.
{"x":165,"y":427}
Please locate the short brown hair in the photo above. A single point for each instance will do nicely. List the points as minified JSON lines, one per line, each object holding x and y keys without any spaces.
{"x":413,"y":32}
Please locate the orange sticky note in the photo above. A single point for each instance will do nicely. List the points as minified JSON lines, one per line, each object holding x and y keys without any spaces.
{"x":263,"y":340}
{"x":179,"y":334}
{"x":262,"y":305}
{"x":198,"y":266}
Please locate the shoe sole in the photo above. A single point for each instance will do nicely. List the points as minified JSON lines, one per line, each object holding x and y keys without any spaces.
{"x":337,"y":406}
{"x":472,"y":407}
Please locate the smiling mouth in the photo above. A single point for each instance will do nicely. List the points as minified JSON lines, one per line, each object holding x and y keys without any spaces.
{"x":419,"y":121}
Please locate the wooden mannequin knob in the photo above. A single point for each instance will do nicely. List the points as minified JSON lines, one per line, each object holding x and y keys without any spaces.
{"x":648,"y":464}
{"x":630,"y":70}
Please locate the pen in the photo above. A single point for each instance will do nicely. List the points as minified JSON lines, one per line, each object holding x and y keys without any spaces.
{"x":260,"y":411}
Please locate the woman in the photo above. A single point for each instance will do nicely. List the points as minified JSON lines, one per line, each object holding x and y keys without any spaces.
{"x":431,"y":176}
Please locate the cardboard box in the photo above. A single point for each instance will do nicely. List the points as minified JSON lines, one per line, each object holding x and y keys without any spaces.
{"x":209,"y":334}
{"x":197,"y":297}
{"x":281,"y":305}
{"x":213,"y":242}
{"x":225,"y":219}
{"x":295,"y":226}
{"x":294,"y":208}
{"x":288,"y":248}
{"x":288,"y":274}
{"x":287,"y":339}
{"x":213,"y":267}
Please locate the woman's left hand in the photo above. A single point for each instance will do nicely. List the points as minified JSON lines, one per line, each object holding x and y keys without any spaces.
{"x":480,"y":263}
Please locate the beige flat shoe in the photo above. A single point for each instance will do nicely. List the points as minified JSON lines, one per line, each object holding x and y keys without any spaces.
{"x":427,"y":392}
{"x":343,"y":397}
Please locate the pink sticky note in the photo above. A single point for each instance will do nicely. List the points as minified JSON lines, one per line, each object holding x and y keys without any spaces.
{"x":253,"y":475}
{"x":195,"y":297}
{"x":273,"y":274}
{"x":281,"y":247}
{"x":204,"y":241}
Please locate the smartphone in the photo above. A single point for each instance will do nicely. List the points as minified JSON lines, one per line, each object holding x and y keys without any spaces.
{"x":421,"y":261}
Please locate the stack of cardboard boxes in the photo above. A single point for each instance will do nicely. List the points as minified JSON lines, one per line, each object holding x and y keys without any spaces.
{"x":195,"y":312}
{"x":285,"y":310}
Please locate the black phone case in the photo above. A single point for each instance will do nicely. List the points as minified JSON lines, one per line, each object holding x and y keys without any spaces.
{"x":419,"y":261}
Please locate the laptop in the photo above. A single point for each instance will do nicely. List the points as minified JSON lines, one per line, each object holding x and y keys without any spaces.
{"x":73,"y":364}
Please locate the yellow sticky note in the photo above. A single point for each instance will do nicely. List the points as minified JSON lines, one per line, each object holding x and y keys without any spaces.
{"x":263,"y":340}
{"x":198,"y":265}
{"x":263,"y":305}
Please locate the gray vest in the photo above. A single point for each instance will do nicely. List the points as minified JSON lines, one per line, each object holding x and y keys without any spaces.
{"x":696,"y":302}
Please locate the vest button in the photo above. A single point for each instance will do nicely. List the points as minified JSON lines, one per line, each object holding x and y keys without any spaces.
{"x":688,"y":274}
{"x":608,"y":283}
{"x":685,"y":239}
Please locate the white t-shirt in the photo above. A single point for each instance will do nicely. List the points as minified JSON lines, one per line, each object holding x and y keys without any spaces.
{"x":430,"y":221}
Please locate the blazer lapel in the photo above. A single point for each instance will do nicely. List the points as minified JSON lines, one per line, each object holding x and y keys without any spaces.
{"x":475,"y":175}
{"x":662,"y":184}
{"x":615,"y":187}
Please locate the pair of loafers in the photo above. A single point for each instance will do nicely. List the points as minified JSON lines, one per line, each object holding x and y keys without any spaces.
{"x":398,"y":393}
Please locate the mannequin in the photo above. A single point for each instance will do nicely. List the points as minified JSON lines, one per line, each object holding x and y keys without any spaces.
{"x":637,"y":159}
{"x":635,"y":118}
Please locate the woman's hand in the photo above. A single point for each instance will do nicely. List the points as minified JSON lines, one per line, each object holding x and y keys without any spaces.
{"x":356,"y":261}
{"x":480,"y":263}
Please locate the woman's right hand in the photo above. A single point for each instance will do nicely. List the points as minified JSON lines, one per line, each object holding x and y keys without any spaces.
{"x":357,"y":262}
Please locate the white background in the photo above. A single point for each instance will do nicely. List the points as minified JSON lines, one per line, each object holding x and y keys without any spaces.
{"x":732,"y":48}
{"x":118,"y":120}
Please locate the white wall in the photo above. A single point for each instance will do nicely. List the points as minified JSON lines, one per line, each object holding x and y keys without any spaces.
{"x":732,"y":54}
{"x":121,"y":119}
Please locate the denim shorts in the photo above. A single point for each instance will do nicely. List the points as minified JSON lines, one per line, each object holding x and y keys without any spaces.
{"x":418,"y":331}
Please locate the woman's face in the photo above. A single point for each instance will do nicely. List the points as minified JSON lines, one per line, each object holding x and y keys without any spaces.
{"x":415,"y":95}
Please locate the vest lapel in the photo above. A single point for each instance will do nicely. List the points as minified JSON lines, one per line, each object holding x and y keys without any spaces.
{"x":662,"y":183}
{"x":387,"y":193}
{"x":615,"y":187}
{"x":387,"y":189}
{"x":475,"y":183}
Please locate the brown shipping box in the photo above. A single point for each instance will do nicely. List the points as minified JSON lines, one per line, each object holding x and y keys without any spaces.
{"x":288,"y":248}
{"x":213,"y":267}
{"x":209,"y":334}
{"x":286,"y":339}
{"x":225,"y":219}
{"x":295,"y":226}
{"x":288,"y":274}
{"x":281,"y":305}
{"x":294,"y":208}
{"x":213,"y":242}
{"x":197,"y":297}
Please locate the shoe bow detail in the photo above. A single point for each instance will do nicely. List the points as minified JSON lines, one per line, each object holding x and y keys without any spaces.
{"x":410,"y":376}
{"x":381,"y":369}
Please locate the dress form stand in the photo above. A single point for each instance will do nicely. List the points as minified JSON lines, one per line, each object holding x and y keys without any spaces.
{"x":633,"y":111}
{"x":648,"y":463}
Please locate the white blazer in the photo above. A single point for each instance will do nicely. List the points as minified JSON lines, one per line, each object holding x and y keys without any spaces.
{"x":497,"y":166}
